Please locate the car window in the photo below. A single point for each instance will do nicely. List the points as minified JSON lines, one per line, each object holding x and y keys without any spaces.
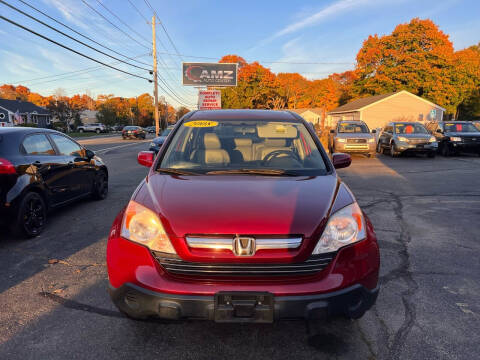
{"x":410,"y":128}
{"x":388,"y":129}
{"x":203,"y":146}
{"x":37,"y":144}
{"x":460,"y":127}
{"x":352,"y":128}
{"x":165,"y":132}
{"x":66,"y":146}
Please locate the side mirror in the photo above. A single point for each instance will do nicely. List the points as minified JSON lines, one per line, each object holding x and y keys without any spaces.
{"x":438,"y":131}
{"x":341,"y":160}
{"x":374,"y":131}
{"x":332,"y":131}
{"x":89,"y":154}
{"x":145,"y":158}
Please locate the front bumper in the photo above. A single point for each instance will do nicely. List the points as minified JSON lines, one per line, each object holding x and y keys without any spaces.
{"x":465,"y":146}
{"x":363,"y":148}
{"x":138,"y":302}
{"x":428,"y":147}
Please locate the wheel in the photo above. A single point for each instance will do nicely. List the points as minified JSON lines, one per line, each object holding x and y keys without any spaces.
{"x":393,"y":151}
{"x":97,"y":131}
{"x":379,"y":148}
{"x":431,"y":154}
{"x":31,"y":216}
{"x":100,"y":186}
{"x":371,"y":155}
{"x":80,"y":131}
{"x":445,"y":150}
{"x":124,"y":138}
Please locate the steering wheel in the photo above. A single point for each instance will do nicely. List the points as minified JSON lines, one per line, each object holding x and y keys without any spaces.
{"x":276,"y":153}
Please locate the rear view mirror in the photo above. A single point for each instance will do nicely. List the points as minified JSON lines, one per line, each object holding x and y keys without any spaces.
{"x":89,"y":154}
{"x":438,"y":131}
{"x":341,"y":160}
{"x":145,"y":158}
{"x":332,"y":131}
{"x":374,"y":131}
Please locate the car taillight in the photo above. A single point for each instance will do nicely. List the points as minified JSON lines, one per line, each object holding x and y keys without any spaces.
{"x":6,"y":167}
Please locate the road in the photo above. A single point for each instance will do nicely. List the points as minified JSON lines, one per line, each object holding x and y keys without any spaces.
{"x":426,"y":213}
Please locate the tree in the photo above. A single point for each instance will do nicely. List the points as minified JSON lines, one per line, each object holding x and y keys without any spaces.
{"x":292,"y":87}
{"x":8,"y":92}
{"x":234,"y":59}
{"x":182,"y":110}
{"x":417,"y":57}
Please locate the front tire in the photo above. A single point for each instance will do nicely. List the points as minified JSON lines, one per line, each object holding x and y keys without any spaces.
{"x":80,"y":131}
{"x":379,"y":148}
{"x":431,"y":154}
{"x":100,"y":186}
{"x":31,"y":216}
{"x":393,"y":151}
{"x":446,"y":150}
{"x":97,"y":131}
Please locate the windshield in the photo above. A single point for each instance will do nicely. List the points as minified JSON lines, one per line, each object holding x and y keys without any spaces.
{"x":460,"y":127}
{"x":352,"y":128}
{"x":244,"y":146}
{"x":165,"y":132}
{"x":410,"y":128}
{"x":130,"y":128}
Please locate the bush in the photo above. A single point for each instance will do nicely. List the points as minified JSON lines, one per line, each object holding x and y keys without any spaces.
{"x":27,"y":125}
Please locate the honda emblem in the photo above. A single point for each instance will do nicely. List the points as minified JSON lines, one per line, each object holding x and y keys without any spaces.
{"x":244,"y":246}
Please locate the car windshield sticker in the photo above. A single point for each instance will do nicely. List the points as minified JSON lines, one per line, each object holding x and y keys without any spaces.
{"x":280,"y":129}
{"x":201,"y":123}
{"x":459,"y":127}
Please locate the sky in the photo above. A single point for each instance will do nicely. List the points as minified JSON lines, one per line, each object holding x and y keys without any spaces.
{"x":313,"y":38}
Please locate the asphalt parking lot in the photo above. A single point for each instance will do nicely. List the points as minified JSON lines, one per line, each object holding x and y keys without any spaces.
{"x":427,"y":217}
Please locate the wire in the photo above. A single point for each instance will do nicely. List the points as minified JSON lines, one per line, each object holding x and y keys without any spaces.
{"x":70,"y":49}
{"x":82,"y":35}
{"x":179,"y":98}
{"x":138,"y":11}
{"x":115,"y":26}
{"x":71,"y":37}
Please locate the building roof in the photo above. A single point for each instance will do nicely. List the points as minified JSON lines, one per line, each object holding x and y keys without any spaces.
{"x":22,"y":107}
{"x":318,"y":111}
{"x":359,"y":104}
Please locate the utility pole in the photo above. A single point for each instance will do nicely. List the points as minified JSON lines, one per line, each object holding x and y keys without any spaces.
{"x":155,"y":79}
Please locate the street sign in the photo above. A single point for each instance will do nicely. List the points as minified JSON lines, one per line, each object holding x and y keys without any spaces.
{"x":209,"y":74}
{"x":433,"y":114}
{"x":209,"y":100}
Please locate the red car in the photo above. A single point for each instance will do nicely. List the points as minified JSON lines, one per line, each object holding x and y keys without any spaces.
{"x":242,"y":218}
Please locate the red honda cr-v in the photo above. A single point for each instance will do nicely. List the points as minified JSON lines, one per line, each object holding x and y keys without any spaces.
{"x":242,"y":218}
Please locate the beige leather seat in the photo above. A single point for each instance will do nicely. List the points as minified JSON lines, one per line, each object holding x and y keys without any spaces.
{"x":213,"y":154}
{"x":244,"y":146}
{"x":270,"y":145}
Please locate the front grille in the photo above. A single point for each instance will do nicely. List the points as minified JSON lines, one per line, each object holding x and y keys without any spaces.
{"x":356,"y":141}
{"x":175,"y":265}
{"x":418,"y":141}
{"x":471,"y":140}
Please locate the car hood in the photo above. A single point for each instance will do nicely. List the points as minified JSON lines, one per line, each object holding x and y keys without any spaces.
{"x":463,"y":134}
{"x":415,"y":136}
{"x":239,"y":204}
{"x":354,"y":135}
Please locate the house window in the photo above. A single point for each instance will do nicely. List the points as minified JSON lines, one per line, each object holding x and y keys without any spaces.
{"x":420,"y":117}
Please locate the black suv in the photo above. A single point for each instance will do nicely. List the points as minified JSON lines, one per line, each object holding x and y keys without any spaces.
{"x":456,"y":136}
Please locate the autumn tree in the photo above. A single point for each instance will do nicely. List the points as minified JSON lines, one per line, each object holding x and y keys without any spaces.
{"x":182,"y":110}
{"x":235,"y":59}
{"x":291,"y":87}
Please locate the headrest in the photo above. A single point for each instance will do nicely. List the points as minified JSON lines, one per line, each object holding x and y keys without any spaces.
{"x":275,"y":142}
{"x":211,"y":141}
{"x":243,"y":142}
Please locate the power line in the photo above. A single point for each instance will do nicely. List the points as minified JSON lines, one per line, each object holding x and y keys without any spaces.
{"x":70,"y":49}
{"x":78,"y":33}
{"x":179,"y":98}
{"x":115,"y":26}
{"x":70,"y":37}
{"x":138,"y":11}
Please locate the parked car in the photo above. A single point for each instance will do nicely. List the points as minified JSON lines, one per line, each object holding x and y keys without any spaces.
{"x":242,"y":218}
{"x":157,"y":143}
{"x":456,"y":136}
{"x":150,"y":129}
{"x":136,"y":132}
{"x":117,"y":127}
{"x":406,"y":137}
{"x":352,"y":137}
{"x":42,"y":169}
{"x":477,"y":124}
{"x":96,"y":127}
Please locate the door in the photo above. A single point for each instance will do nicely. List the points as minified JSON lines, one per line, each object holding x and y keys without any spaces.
{"x":47,"y":167}
{"x":82,"y":172}
{"x":386,"y":136}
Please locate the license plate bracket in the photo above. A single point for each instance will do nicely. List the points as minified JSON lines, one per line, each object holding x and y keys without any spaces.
{"x":244,"y":307}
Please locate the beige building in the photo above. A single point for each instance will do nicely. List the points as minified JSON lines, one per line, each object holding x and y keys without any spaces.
{"x":377,"y":111}
{"x":313,"y":115}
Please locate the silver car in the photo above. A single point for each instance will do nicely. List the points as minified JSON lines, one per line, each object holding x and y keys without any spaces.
{"x":352,"y":137}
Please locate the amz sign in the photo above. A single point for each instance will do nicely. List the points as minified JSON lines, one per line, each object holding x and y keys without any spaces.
{"x":209,"y":74}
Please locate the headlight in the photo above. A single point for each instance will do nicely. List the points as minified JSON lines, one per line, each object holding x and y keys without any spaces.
{"x":454,"y":138}
{"x":372,"y":140}
{"x":403,"y":139}
{"x":143,"y":226}
{"x":345,"y":227}
{"x":341,"y":140}
{"x":432,"y":139}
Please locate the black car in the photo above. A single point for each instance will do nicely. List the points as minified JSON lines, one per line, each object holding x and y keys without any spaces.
{"x":157,"y":143}
{"x":456,"y":136}
{"x":150,"y":129}
{"x":41,"y":169}
{"x":136,"y":132}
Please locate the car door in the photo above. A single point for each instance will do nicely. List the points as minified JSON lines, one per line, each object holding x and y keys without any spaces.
{"x":82,"y":171}
{"x":385,"y":136}
{"x":48,"y":166}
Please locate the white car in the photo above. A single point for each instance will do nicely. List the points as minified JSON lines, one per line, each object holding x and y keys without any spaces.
{"x":96,"y":127}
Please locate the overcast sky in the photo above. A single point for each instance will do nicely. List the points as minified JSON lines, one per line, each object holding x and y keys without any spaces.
{"x":326,"y":32}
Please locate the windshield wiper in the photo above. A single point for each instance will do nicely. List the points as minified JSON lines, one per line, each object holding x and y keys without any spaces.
{"x":266,"y":172}
{"x":176,"y":171}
